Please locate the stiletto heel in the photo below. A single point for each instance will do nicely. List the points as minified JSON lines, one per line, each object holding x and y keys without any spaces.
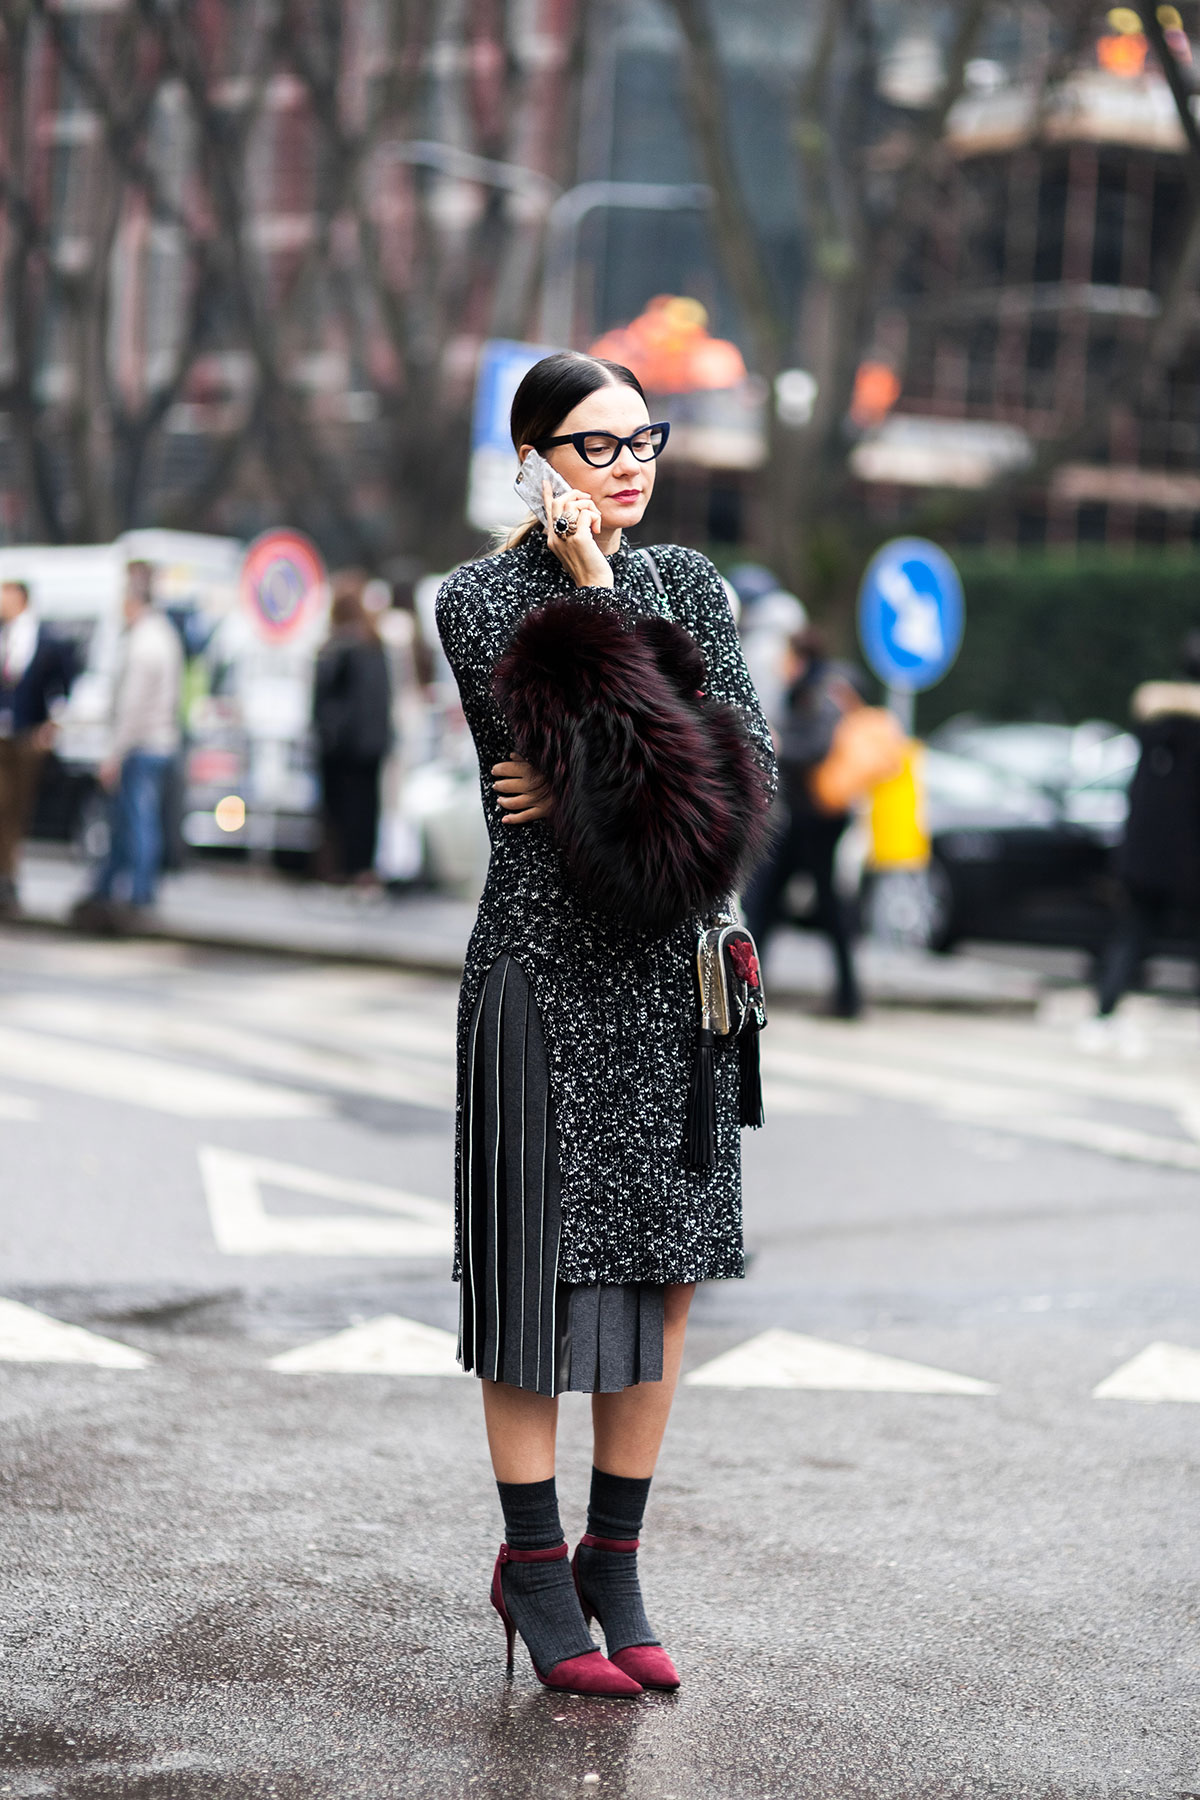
{"x":591,"y":1673}
{"x":510,"y":1632}
{"x":647,"y":1664}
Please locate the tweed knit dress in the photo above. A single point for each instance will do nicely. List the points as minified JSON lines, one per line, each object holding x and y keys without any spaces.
{"x":574,"y":1202}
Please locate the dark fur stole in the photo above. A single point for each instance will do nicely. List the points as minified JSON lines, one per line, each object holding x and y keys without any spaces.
{"x":659,"y":804}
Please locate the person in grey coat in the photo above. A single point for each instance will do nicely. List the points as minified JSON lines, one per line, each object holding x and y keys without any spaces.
{"x":144,"y":737}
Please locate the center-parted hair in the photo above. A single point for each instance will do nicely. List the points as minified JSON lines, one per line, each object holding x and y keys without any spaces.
{"x":549,"y":391}
{"x":555,"y":386}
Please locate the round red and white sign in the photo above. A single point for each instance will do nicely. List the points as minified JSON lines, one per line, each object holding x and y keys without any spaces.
{"x":282,"y":577}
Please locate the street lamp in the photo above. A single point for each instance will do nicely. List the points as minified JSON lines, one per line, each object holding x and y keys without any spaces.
{"x":565,"y":212}
{"x":449,"y":159}
{"x":562,"y":237}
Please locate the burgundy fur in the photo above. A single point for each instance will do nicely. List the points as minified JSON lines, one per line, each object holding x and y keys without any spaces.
{"x":659,"y":804}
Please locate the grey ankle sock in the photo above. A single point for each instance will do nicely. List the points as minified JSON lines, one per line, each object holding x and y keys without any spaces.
{"x":609,"y":1578}
{"x":540,"y":1596}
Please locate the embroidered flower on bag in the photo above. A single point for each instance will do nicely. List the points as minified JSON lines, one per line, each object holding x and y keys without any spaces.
{"x":741,"y":955}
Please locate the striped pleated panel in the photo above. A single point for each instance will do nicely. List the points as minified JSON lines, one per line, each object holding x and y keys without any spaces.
{"x":517,"y":1323}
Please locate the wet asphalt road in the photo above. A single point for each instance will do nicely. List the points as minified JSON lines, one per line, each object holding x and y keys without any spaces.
{"x":219,"y":1579}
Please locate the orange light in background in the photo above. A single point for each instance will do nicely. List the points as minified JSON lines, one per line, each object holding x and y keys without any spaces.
{"x":1124,"y":54}
{"x":876,"y":391}
{"x":669,"y":349}
{"x":230,"y":813}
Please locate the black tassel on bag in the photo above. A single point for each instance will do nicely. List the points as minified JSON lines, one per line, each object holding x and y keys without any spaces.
{"x":750,"y":1099}
{"x":702,"y":1107}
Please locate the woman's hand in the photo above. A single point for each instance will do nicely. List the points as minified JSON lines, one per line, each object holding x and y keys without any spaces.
{"x":579,"y":553}
{"x":521,"y":792}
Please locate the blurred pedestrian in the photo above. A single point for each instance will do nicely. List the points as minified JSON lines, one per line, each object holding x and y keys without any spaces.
{"x":352,"y":718}
{"x":1159,"y":859}
{"x":768,"y":616}
{"x":143,"y":743}
{"x":399,"y":851}
{"x":819,"y":696}
{"x":36,"y":671}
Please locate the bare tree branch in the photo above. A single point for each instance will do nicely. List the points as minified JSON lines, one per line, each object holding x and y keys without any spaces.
{"x":741,"y":255}
{"x":1180,"y":93}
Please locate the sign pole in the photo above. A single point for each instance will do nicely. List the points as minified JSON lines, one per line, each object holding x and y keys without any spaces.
{"x":910,"y":625}
{"x":902,"y":704}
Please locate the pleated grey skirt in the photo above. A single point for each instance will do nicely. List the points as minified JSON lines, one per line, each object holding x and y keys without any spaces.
{"x":517,"y":1322}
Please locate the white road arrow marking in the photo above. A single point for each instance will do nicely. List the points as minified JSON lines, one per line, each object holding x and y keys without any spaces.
{"x":1159,"y":1372}
{"x":785,"y":1359}
{"x":30,"y":1336}
{"x":242,"y":1226}
{"x":385,"y":1346}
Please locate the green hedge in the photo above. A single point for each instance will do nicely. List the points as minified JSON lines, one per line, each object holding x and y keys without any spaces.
{"x":1052,"y":638}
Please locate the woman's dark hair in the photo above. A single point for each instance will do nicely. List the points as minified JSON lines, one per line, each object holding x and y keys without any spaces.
{"x":555,"y":386}
{"x":347,"y":614}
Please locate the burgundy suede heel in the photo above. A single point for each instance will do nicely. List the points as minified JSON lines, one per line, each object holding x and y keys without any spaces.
{"x":591,"y":1673}
{"x":647,"y":1664}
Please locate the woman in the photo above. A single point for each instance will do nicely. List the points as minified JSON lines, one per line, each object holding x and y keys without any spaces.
{"x":352,"y":717}
{"x":581,"y":1229}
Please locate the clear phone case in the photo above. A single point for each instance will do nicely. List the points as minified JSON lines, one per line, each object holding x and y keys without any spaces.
{"x":534,"y":470}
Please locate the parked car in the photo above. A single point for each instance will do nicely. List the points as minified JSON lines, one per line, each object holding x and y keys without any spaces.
{"x":1085,"y":769}
{"x":1007,"y":861}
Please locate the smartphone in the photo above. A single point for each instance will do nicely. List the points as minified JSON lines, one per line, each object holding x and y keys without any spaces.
{"x":534,"y":470}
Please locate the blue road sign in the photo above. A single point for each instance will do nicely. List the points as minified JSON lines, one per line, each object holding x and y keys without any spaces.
{"x":491,"y":502}
{"x":910,"y":614}
{"x":502,"y":364}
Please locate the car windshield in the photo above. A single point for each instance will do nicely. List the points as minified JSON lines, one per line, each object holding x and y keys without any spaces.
{"x":963,"y":783}
{"x":1054,"y":757}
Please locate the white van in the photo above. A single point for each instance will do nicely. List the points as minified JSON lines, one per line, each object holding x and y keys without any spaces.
{"x":77,"y":589}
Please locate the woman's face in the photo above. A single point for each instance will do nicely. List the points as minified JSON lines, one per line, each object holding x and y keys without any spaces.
{"x":622,"y":490}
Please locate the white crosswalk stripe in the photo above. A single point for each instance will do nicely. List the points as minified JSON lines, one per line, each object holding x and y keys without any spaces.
{"x":391,"y":1036}
{"x":27,"y":1335}
{"x":385,"y":1346}
{"x":1159,"y":1372}
{"x":146,"y":1081}
{"x":786,"y":1359}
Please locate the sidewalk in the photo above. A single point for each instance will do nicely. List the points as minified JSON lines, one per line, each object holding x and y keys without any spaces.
{"x":242,"y":908}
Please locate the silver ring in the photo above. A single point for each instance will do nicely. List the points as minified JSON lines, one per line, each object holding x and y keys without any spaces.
{"x":565,"y":524}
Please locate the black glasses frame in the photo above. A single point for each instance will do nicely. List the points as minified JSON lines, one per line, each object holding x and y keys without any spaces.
{"x":579,"y":438}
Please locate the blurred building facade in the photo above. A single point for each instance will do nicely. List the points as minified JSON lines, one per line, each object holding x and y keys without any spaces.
{"x":1034,"y":282}
{"x":250,"y":250}
{"x":1037,"y":289}
{"x":235,"y":272}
